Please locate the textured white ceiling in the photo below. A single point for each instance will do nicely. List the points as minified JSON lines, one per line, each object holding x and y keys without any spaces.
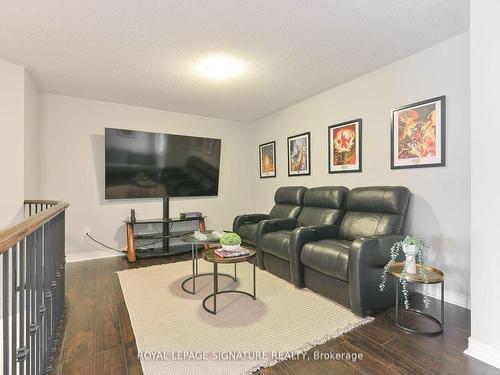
{"x":141,"y":52}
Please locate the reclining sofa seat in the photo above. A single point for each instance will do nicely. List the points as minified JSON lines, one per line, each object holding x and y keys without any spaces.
{"x":346,"y":264}
{"x":322,"y":208}
{"x":288,"y":205}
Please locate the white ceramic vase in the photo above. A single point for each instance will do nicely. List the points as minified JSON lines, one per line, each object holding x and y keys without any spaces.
{"x":230,"y":247}
{"x":411,"y":258}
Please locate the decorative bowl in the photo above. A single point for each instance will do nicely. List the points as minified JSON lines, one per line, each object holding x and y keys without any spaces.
{"x":230,"y":247}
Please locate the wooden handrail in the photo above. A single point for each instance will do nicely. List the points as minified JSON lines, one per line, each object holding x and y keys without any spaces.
{"x":15,"y":233}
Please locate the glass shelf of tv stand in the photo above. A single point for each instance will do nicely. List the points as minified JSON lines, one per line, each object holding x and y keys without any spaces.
{"x":159,"y":251}
{"x":162,"y":221}
{"x":150,"y":238}
{"x":160,"y":235}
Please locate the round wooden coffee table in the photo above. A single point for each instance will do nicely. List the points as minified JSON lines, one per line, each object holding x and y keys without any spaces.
{"x":210,"y":256}
{"x":434,"y":276}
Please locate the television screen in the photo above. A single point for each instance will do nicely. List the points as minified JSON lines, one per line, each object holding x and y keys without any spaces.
{"x":153,"y":165}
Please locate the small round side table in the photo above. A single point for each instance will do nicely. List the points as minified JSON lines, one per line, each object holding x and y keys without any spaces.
{"x":434,"y":276}
{"x":210,"y":256}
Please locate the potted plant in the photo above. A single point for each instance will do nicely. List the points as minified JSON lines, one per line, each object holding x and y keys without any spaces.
{"x":230,"y":241}
{"x":414,"y":249}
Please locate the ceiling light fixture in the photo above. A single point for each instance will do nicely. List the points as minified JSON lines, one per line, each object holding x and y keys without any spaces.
{"x":218,"y":67}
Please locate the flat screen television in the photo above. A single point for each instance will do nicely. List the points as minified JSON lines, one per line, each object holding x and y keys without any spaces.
{"x":154,"y":165}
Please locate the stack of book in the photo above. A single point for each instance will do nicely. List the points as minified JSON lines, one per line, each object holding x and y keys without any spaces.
{"x":233,"y":253}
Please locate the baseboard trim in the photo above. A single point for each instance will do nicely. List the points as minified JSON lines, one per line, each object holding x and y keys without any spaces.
{"x":449,"y":296}
{"x":483,"y":353}
{"x":91,"y":255}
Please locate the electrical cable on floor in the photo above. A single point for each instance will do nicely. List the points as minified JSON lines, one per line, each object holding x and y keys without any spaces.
{"x":120,"y":251}
{"x":100,"y":243}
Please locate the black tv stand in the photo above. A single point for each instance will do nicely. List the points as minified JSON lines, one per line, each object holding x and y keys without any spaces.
{"x":136,"y":249}
{"x":142,"y":244}
{"x":166,"y":229}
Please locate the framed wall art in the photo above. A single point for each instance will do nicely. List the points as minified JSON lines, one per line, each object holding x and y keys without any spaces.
{"x":418,"y":134}
{"x":344,"y":147}
{"x":299,"y":154}
{"x":267,"y":159}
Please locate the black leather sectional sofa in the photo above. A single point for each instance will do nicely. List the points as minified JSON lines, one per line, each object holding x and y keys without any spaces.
{"x":332,"y":240}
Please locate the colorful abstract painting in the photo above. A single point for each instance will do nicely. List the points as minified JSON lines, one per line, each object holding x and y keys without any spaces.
{"x":418,"y":134}
{"x":344,"y":143}
{"x":267,"y":159}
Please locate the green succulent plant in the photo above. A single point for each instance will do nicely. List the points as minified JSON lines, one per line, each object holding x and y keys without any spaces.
{"x":230,"y":239}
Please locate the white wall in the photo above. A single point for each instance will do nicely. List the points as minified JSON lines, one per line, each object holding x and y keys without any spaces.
{"x":72,"y":156}
{"x":32,"y":151}
{"x":484,"y":342}
{"x":11,"y":142}
{"x":73,"y":166}
{"x":439,"y":210}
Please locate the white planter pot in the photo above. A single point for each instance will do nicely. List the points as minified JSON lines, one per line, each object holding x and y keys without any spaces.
{"x":411,"y":261}
{"x":231,"y":247}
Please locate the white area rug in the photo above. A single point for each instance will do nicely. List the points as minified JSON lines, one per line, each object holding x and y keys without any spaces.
{"x":175,"y":335}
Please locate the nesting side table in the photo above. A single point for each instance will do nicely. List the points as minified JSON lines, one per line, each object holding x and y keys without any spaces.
{"x":210,"y":256}
{"x":434,"y":276}
{"x":191,"y":239}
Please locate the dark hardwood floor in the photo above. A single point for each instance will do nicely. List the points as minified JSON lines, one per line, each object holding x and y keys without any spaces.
{"x":99,"y":337}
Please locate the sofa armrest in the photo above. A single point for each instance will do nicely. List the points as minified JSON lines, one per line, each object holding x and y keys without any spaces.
{"x":300,"y":237}
{"x":268,"y":226}
{"x":367,"y":258}
{"x":248,"y":219}
{"x":274,"y":225}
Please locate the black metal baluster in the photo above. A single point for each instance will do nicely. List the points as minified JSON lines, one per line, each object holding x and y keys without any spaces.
{"x":14,"y":310}
{"x":46,"y":301}
{"x":40,"y":301}
{"x":59,"y":220}
{"x":34,"y":328}
{"x":29,"y":287}
{"x":53,"y":286}
{"x":5,"y":311}
{"x":22,"y":351}
{"x":48,"y":293}
{"x":62,"y":268}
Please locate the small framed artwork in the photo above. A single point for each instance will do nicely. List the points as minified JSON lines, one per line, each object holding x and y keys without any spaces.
{"x":344,"y":147}
{"x":418,"y":134}
{"x":267,"y":159}
{"x":299,"y":154}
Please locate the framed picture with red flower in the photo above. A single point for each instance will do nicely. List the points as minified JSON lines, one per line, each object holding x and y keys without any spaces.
{"x":267,"y":159}
{"x":344,"y":147}
{"x":418,"y":134}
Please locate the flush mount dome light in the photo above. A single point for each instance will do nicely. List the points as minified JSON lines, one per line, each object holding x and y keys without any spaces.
{"x":218,"y":67}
